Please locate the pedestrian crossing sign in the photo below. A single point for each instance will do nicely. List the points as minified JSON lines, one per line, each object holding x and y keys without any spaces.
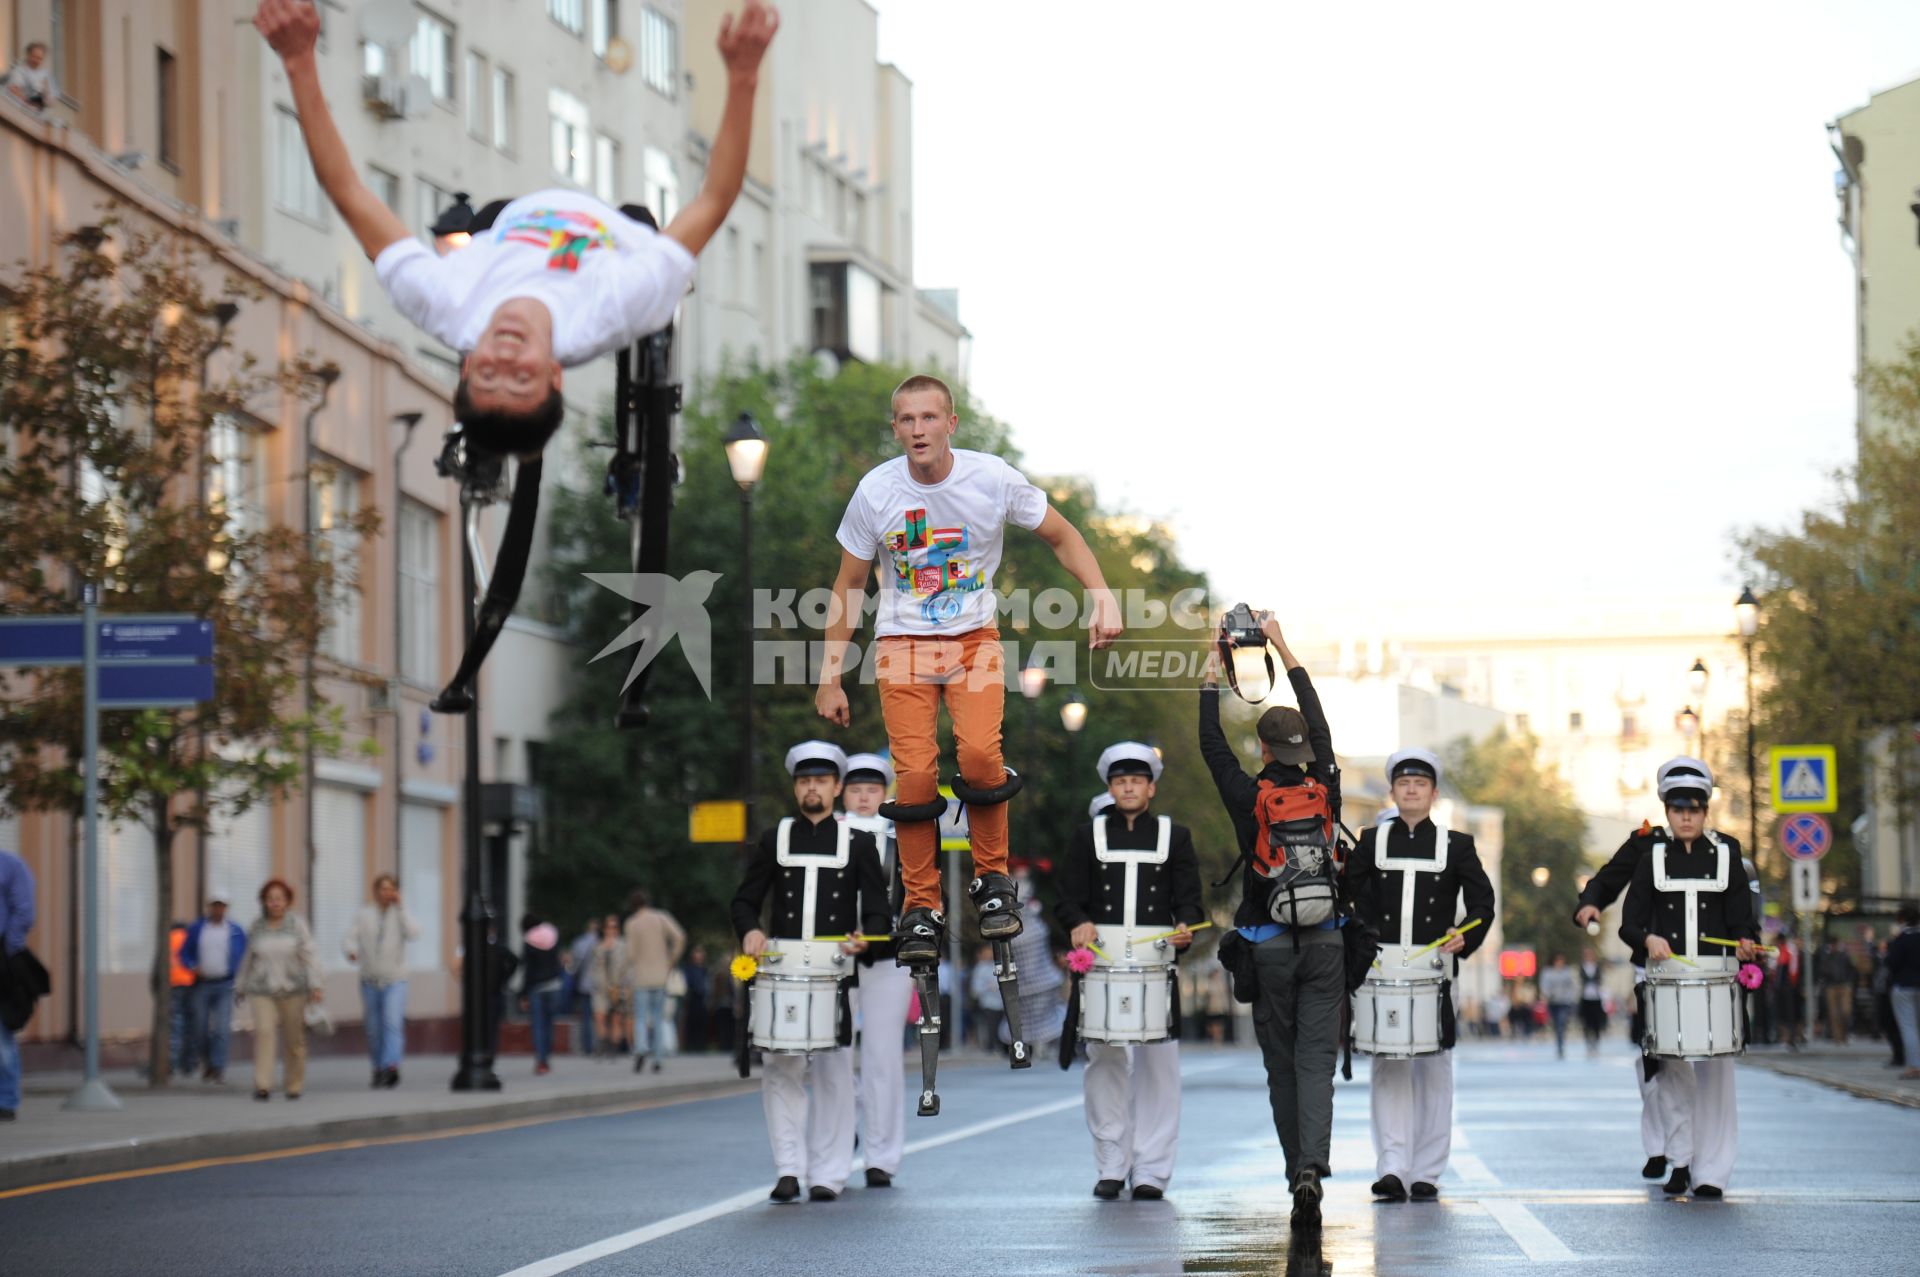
{"x":1805,"y":779}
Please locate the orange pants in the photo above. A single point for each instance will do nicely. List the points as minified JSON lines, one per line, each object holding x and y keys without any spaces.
{"x":915,"y":674}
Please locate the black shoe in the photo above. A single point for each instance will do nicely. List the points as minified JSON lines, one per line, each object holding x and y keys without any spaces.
{"x":262,"y":1096}
{"x":393,"y":1078}
{"x":877,"y":1178}
{"x":998,"y":900}
{"x":1708,"y":1192}
{"x":1107,"y":1190}
{"x":6,"y":1115}
{"x":1655,"y":1167}
{"x":1390,"y":1187}
{"x":379,"y":1080}
{"x":821,"y":1193}
{"x":917,"y":942}
{"x":1147,"y":1193}
{"x":656,"y":1066}
{"x":1306,"y":1202}
{"x":1425,"y":1192}
{"x":786,"y":1190}
{"x":639,"y":1064}
{"x":1677,"y":1184}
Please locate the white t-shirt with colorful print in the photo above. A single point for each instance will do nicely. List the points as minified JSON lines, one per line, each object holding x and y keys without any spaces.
{"x":607,"y":279}
{"x":938,"y":545}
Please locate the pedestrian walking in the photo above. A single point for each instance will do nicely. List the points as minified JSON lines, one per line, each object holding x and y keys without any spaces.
{"x":280,"y":977}
{"x":1837,"y":977}
{"x":1903,"y":971}
{"x":580,"y":982}
{"x":1883,"y":1016}
{"x":540,"y":979}
{"x":886,"y":987}
{"x":179,"y":999}
{"x":376,"y":942}
{"x":610,"y":996}
{"x":17,"y":907}
{"x":1593,"y":1001}
{"x":1560,"y":986}
{"x":693,"y":1005}
{"x":655,"y":941}
{"x":211,"y":952}
{"x":502,"y":962}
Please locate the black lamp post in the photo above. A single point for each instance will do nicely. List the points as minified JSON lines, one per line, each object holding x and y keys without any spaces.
{"x":1746,"y":611}
{"x":746,"y":448}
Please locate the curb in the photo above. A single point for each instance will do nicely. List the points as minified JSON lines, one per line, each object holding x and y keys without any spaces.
{"x":138,"y":1155}
{"x":1790,"y":1069}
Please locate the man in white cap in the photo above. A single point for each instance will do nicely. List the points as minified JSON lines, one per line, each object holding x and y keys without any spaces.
{"x":886,"y":988}
{"x":823,"y":876}
{"x":1410,"y":879}
{"x":212,"y":950}
{"x":1689,"y":885}
{"x":1127,"y":876}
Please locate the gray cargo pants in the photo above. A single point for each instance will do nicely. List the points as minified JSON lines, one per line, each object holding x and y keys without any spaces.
{"x":1296,"y":1018}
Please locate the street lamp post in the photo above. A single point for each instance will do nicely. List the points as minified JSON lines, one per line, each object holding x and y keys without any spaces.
{"x":746,"y":448}
{"x":1033,"y":681}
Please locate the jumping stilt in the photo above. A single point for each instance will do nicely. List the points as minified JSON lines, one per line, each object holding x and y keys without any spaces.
{"x":1008,"y":974}
{"x":927,"y":981}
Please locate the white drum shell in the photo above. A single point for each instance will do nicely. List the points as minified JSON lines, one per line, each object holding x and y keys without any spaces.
{"x":1396,"y":1012}
{"x":1694,"y":1013}
{"x":795,"y":1005}
{"x":1128,"y":996}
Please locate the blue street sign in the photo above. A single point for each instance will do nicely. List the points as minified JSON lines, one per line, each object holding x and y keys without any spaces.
{"x":57,"y":640}
{"x":1806,"y":836}
{"x":40,"y":640}
{"x":154,"y":686}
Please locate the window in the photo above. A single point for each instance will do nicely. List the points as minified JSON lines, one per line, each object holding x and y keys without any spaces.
{"x":606,"y":169}
{"x":1629,"y":725}
{"x":732,"y":288}
{"x":419,"y":594}
{"x":236,"y":477}
{"x":659,"y":52}
{"x":571,"y":157}
{"x":421,"y":878}
{"x":606,"y":25}
{"x":386,"y":185}
{"x":339,"y":869}
{"x":1576,"y":721}
{"x":336,"y":499}
{"x":433,"y":55}
{"x":759,"y":277}
{"x":296,"y":190}
{"x":373,"y":59}
{"x":476,"y":101}
{"x":846,"y":311}
{"x":169,"y":107}
{"x":431,"y":200}
{"x":1523,"y":724}
{"x":571,"y":14}
{"x":660,"y":187}
{"x":502,"y":110}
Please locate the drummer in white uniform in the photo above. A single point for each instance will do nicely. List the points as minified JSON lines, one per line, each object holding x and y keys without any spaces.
{"x":1129,"y":875}
{"x":823,"y":876}
{"x":886,"y":988}
{"x":1408,"y":878}
{"x":1686,"y":887}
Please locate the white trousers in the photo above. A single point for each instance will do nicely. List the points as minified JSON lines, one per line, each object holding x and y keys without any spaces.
{"x":1704,"y":1133}
{"x":813,"y":1142}
{"x":1665,"y":1125}
{"x":885,"y":990}
{"x":1412,"y":1117}
{"x":1133,"y":1109}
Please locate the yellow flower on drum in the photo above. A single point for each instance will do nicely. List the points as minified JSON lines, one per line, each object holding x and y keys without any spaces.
{"x":744,"y":968}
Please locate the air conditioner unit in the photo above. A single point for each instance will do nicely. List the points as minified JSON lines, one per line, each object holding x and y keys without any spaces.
{"x":385,"y":95}
{"x":384,"y":698}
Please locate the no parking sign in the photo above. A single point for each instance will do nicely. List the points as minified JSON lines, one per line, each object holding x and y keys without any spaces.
{"x":1806,"y":836}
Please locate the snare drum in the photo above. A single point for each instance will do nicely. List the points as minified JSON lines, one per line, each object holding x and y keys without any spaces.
{"x":1396,"y":1012}
{"x":1694,"y":1013}
{"x":796,"y":997}
{"x":1128,"y":995}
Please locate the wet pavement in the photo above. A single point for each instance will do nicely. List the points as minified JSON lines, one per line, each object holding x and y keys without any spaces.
{"x":1545,"y":1177}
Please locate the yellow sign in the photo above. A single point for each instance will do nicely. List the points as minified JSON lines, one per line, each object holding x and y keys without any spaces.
{"x":723,"y":821}
{"x":1805,"y":778}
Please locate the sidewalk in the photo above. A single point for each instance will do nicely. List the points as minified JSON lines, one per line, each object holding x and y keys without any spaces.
{"x":1858,"y":1068}
{"x":190,"y":1119}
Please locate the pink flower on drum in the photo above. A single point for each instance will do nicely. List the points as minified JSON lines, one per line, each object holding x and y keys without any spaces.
{"x":1751,"y":975}
{"x":1080,"y":961}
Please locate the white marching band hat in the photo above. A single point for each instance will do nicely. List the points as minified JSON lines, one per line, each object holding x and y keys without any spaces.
{"x":1102,"y":802}
{"x":1414,"y":762}
{"x":1129,"y":758}
{"x":816,"y":758}
{"x":1687,"y":779}
{"x":869,"y":767}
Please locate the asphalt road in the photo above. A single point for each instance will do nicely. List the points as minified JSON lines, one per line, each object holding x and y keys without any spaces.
{"x":1545,"y":1177}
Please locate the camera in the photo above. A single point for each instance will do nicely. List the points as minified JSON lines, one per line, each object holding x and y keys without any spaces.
{"x":1241,"y":626}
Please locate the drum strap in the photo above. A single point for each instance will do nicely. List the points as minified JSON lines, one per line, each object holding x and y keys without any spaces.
{"x":810,"y":866}
{"x":882,"y":830}
{"x":1155,"y":855}
{"x":1691,"y":888}
{"x":1408,"y":866}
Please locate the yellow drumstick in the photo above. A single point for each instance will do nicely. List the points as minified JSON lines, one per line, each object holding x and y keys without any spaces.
{"x":851,"y":939}
{"x":1735,"y":944}
{"x":1451,"y":934}
{"x":1097,"y":949}
{"x":1168,"y":935}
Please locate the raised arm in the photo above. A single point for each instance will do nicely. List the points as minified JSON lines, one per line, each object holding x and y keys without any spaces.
{"x":1077,"y":557}
{"x":292,"y":27}
{"x":743,"y":43}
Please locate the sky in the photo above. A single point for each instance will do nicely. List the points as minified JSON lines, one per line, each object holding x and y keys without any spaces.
{"x":1446,"y":299}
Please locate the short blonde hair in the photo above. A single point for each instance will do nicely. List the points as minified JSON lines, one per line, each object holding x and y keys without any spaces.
{"x":921,"y":381}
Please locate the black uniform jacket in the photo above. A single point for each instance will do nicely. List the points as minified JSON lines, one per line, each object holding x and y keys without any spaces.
{"x":1727,"y":914}
{"x":1239,"y":791}
{"x":1375,"y":893}
{"x":846,"y":901}
{"x":1092,"y":890}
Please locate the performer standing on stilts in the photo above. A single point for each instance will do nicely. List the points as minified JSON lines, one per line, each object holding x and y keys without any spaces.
{"x":938,"y":514}
{"x":1127,"y":875}
{"x":1408,"y":878}
{"x":885,"y":987}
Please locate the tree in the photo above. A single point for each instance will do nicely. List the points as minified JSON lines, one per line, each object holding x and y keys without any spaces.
{"x":1839,"y":637}
{"x":1543,"y":829}
{"x":113,"y":479}
{"x":617,"y":800}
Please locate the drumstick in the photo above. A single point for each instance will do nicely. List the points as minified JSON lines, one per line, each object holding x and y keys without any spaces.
{"x":1735,"y":944}
{"x":1168,"y":935}
{"x":850,"y":939}
{"x":1451,"y":934}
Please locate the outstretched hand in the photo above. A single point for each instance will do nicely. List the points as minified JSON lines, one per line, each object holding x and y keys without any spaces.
{"x":744,"y":39}
{"x":292,"y":27}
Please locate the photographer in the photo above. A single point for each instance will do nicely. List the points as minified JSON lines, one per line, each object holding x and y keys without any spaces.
{"x":1299,"y":970}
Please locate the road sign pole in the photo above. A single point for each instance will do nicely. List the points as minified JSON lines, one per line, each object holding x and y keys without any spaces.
{"x":94,"y":1095}
{"x":1806,"y":967}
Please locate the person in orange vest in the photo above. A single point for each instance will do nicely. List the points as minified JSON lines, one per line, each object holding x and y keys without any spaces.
{"x":180,"y":984}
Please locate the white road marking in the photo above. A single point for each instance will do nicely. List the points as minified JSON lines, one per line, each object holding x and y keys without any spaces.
{"x":1533,"y":1237}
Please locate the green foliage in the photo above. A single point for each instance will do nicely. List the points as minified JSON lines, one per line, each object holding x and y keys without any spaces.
{"x":1543,"y":828}
{"x":618,"y":801}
